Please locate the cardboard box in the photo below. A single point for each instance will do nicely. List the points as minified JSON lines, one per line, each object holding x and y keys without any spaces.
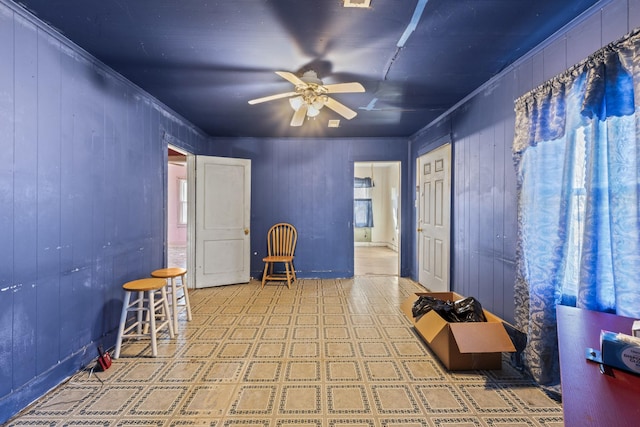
{"x":464,"y":345}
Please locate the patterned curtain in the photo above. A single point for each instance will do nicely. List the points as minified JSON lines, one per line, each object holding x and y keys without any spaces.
{"x":576,"y":152}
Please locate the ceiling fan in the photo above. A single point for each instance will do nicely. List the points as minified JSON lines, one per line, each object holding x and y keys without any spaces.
{"x":310,"y":95}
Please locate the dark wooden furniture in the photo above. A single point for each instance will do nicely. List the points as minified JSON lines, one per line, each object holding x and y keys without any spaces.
{"x":589,"y":397}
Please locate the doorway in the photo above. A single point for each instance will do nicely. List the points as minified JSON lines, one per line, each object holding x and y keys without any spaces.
{"x":177,"y":212}
{"x":377,"y":227}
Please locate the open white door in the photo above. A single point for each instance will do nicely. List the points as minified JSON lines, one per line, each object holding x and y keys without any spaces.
{"x":434,"y":181}
{"x":222,"y":247}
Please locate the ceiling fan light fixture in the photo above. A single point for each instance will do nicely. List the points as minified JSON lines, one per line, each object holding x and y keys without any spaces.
{"x":317,"y":103}
{"x":312,"y":111}
{"x":310,"y":96}
{"x":296,"y":102}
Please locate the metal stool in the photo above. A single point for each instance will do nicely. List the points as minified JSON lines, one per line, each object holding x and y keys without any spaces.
{"x":172,"y":273}
{"x":148,"y":311}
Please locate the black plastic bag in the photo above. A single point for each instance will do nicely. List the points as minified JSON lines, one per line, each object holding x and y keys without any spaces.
{"x":469,"y":310}
{"x":463,"y":310}
{"x":425,"y":304}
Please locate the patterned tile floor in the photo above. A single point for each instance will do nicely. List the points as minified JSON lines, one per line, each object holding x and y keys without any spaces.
{"x":331,"y":353}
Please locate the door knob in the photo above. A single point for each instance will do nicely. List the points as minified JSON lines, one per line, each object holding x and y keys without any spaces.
{"x":246,"y":231}
{"x":419,"y":230}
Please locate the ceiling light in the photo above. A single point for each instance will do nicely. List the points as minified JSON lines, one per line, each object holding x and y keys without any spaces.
{"x":312,"y":112}
{"x":357,"y":3}
{"x":317,"y":103}
{"x":314,"y":103}
{"x":296,"y":102}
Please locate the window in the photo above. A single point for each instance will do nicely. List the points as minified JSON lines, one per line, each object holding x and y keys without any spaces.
{"x":576,"y":219}
{"x":362,"y":213}
{"x":362,"y":204}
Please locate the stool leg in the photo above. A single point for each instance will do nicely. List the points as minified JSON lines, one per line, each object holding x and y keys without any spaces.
{"x":141,"y":320}
{"x":152,"y":322}
{"x":167,"y":312}
{"x":174,"y":303}
{"x":123,"y":320}
{"x":186,"y":297}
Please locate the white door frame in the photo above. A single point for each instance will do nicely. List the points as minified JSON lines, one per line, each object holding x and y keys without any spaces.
{"x":191,"y":220}
{"x":189,"y":199}
{"x":398,"y":235}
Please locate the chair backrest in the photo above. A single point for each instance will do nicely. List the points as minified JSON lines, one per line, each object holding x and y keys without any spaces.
{"x":282,"y":239}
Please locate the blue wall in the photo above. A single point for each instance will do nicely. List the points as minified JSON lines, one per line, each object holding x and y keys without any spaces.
{"x":82,"y":161}
{"x":309,"y":183}
{"x":481,"y":129}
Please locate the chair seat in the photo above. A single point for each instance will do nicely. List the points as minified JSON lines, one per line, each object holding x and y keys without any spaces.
{"x":277,"y":258}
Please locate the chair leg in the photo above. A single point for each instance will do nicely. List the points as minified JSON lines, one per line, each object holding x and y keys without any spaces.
{"x":288,"y":274}
{"x":264,"y":274}
{"x":293,"y":271}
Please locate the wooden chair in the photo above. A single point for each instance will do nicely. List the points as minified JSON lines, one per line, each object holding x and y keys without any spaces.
{"x":281,"y":245}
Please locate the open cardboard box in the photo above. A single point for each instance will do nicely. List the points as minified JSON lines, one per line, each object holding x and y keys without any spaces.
{"x":465,"y":345}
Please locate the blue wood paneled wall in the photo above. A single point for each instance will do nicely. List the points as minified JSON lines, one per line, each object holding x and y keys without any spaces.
{"x":82,"y":160}
{"x":309,"y":183}
{"x":481,"y":129}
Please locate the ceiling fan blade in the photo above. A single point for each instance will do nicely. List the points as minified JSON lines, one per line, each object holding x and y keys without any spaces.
{"x":341,"y":109}
{"x":344,"y":87}
{"x":299,"y":115}
{"x":292,"y":78}
{"x":271,"y":97}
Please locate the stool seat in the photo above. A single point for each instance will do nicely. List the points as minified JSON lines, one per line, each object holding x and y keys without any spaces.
{"x":170,"y":274}
{"x":151,"y":313}
{"x":141,"y":285}
{"x":167,"y":273}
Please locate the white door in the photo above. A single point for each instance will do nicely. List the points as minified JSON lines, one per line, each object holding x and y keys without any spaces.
{"x":434,"y":182}
{"x":222,"y":246}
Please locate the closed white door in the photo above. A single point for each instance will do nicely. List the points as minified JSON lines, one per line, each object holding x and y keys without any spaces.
{"x":222,"y":245}
{"x":434,"y":172}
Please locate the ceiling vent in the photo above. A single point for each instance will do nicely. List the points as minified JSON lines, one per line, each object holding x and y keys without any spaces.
{"x":357,"y":3}
{"x":334,"y":123}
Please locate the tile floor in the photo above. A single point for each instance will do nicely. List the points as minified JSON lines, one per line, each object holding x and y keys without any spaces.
{"x":331,"y":353}
{"x":375,"y":260}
